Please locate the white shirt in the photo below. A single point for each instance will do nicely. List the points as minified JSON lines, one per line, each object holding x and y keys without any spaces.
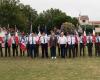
{"x":13,"y":40}
{"x":81,"y":39}
{"x":89,"y":39}
{"x":97,"y":39}
{"x":62,"y":40}
{"x":71,"y":40}
{"x":32,"y":41}
{"x":44,"y":39}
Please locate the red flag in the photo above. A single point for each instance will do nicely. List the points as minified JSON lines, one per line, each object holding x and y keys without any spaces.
{"x":16,"y":38}
{"x":1,"y":37}
{"x":23,"y":46}
{"x":93,"y":37}
{"x":9,"y":40}
{"x":84,"y":38}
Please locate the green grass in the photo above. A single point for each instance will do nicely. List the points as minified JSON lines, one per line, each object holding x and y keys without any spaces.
{"x":81,"y":68}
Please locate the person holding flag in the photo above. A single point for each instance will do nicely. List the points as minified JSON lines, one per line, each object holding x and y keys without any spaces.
{"x":23,"y":44}
{"x":89,"y":44}
{"x":14,"y":46}
{"x":82,"y":43}
{"x":97,"y":45}
{"x":7,"y":46}
{"x":27,"y":45}
{"x":76,"y":43}
{"x":93,"y":36}
{"x":1,"y":41}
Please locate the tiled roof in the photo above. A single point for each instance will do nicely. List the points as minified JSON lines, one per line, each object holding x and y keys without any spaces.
{"x":94,"y":22}
{"x":84,"y":17}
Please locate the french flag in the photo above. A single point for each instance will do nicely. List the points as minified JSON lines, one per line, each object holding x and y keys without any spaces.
{"x":84,"y":38}
{"x":23,"y":46}
{"x":9,"y":40}
{"x":16,"y":38}
{"x":2,"y":34}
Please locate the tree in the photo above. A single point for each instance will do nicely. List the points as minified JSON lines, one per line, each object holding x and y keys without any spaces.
{"x":67,"y":27}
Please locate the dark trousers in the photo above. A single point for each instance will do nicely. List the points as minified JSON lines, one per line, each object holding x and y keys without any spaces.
{"x":66,"y":50}
{"x":44,"y":50}
{"x":1,"y":50}
{"x":62,"y":46}
{"x":22,"y":53}
{"x":15,"y":50}
{"x":58,"y":49}
{"x":32,"y":50}
{"x":7,"y":50}
{"x":28,"y":50}
{"x":71,"y":49}
{"x":53,"y":51}
{"x":76,"y":50}
{"x":37,"y":50}
{"x":82,"y":47}
{"x":90,"y":45}
{"x":97,"y":49}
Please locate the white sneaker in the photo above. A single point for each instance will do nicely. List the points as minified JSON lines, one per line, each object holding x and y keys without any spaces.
{"x":52,"y":57}
{"x":55,"y":57}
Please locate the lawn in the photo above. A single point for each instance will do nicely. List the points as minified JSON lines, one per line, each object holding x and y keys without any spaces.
{"x":81,"y":68}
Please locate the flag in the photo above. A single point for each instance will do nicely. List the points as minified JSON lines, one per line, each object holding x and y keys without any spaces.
{"x":84,"y":38}
{"x":23,"y":46}
{"x":16,"y":38}
{"x":9,"y":40}
{"x":2,"y":34}
{"x":93,"y":36}
{"x":1,"y":38}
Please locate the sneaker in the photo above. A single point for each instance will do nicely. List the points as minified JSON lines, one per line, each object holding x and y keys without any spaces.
{"x":55,"y":57}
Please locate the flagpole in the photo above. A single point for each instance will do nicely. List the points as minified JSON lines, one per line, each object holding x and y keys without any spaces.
{"x":31,"y":28}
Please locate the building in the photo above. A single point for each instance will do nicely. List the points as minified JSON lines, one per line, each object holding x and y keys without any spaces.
{"x":84,"y":20}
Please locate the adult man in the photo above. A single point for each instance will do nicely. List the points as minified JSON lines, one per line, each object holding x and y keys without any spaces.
{"x":97,"y":45}
{"x":27,"y":45}
{"x":44,"y":44}
{"x":89,"y":44}
{"x":22,"y":44}
{"x":32,"y":42}
{"x":71,"y":43}
{"x":14,"y":46}
{"x":62,"y":42}
{"x":53,"y":43}
{"x":7,"y":47}
{"x":1,"y":41}
{"x":82,"y":46}
{"x":67,"y":47}
{"x":76,"y":44}
{"x":37,"y":45}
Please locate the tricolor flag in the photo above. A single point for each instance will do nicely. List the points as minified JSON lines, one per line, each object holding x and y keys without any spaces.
{"x":23,"y":45}
{"x":93,"y":36}
{"x":9,"y":40}
{"x":16,"y":38}
{"x":1,"y":37}
{"x":84,"y":38}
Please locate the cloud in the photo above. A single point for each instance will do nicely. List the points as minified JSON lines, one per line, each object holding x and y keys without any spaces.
{"x":71,"y":7}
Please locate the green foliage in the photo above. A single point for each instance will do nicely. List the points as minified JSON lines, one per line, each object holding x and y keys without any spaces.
{"x":13,"y":12}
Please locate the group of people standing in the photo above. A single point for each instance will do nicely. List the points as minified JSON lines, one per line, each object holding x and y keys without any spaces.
{"x":68,"y":45}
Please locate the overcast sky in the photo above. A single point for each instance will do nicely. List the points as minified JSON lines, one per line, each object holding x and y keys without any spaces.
{"x":71,"y":7}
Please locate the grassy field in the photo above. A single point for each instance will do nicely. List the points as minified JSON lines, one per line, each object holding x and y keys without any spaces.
{"x":83,"y":68}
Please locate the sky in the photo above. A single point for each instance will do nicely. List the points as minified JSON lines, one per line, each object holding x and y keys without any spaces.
{"x":71,"y":7}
